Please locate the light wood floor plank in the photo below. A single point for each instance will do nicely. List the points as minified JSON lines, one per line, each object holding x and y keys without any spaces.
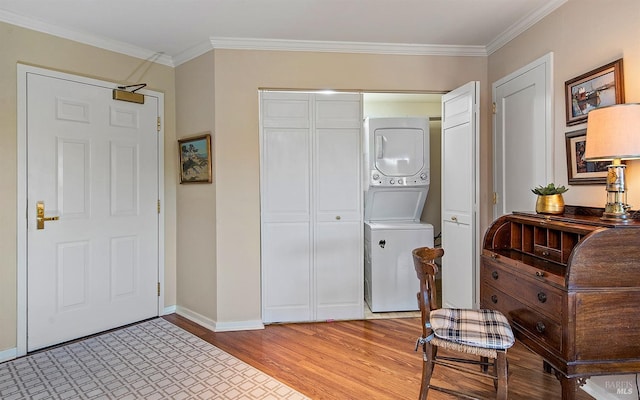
{"x":369,"y":359}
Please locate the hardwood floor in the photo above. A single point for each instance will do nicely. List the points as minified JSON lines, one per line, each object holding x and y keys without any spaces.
{"x":369,"y":359}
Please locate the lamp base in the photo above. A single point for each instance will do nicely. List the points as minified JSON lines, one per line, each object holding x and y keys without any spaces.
{"x":616,"y":212}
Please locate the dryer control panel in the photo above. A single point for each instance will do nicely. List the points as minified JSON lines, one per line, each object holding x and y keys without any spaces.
{"x":382,"y":180}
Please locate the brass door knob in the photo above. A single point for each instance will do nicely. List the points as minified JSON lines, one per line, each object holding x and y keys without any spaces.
{"x":40,"y":218}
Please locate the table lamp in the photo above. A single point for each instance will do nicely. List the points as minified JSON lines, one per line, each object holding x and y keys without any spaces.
{"x":613,"y":134}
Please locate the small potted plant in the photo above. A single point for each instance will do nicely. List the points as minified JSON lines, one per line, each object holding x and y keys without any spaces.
{"x":550,"y":200}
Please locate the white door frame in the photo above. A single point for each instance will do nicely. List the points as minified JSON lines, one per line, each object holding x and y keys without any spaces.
{"x":21,"y":335}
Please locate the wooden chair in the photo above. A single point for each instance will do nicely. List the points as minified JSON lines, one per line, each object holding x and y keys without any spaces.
{"x":483,"y":333}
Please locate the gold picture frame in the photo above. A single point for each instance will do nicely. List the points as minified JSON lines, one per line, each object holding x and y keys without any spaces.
{"x":195,"y":159}
{"x":601,"y":87}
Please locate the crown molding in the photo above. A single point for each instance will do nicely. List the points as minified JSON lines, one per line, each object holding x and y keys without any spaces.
{"x":346,"y":47}
{"x":235,"y":43}
{"x":522,"y":25}
{"x":85,"y":38}
{"x":192,"y":53}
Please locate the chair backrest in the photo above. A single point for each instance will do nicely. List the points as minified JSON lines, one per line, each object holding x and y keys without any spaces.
{"x":426,"y":270}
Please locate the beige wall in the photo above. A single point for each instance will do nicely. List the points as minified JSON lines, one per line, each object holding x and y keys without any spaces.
{"x":196,"y":203}
{"x":238,"y":76}
{"x":29,"y":47}
{"x":583,"y":35}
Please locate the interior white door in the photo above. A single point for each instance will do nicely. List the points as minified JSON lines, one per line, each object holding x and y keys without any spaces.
{"x":93,"y":163}
{"x":460,"y":196}
{"x":523,"y":136}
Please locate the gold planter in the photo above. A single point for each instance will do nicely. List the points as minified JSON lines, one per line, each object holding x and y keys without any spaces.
{"x":551,"y":204}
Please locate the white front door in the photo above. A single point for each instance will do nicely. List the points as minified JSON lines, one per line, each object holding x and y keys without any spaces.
{"x":460,"y":196}
{"x":523,"y":137}
{"x":92,"y":162}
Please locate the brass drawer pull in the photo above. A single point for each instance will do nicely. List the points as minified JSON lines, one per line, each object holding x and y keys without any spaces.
{"x":494,"y":275}
{"x":494,"y":299}
{"x":542,"y":297}
{"x":539,"y":274}
{"x":545,"y":253}
{"x":540,"y":327}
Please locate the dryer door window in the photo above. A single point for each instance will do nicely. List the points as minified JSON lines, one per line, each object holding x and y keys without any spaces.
{"x":399,"y":151}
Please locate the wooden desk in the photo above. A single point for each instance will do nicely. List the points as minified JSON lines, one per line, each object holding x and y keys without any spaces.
{"x":570,"y":286}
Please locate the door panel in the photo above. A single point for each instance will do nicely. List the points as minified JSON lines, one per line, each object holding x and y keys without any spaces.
{"x":286,"y":175}
{"x":339,"y":282}
{"x":338,"y":175}
{"x":94,"y":164}
{"x":460,"y":197}
{"x":522,"y":136}
{"x":286,"y":272}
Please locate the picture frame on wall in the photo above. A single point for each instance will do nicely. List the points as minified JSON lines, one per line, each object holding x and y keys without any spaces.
{"x":580,"y":171}
{"x":195,"y":159}
{"x":601,"y":87}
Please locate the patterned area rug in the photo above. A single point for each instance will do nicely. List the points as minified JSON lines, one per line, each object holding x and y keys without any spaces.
{"x":151,"y":360}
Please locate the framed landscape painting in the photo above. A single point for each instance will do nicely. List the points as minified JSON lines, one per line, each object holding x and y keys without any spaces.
{"x":195,"y":159}
{"x":601,"y":87}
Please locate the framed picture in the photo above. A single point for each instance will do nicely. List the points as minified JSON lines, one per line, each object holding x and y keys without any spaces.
{"x":601,"y":87}
{"x":583,"y":172}
{"x":195,"y":159}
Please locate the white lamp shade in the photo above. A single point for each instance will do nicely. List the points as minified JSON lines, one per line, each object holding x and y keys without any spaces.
{"x":613,"y":132}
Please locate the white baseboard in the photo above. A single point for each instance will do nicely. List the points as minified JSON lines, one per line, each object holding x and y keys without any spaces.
{"x":8,"y":354}
{"x":218,"y":326}
{"x":169,"y":310}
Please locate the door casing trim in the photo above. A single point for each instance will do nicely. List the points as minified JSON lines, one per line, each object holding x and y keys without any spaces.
{"x":21,"y":223}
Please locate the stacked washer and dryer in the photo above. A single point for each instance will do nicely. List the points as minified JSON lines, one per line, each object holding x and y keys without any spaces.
{"x":397,"y":161}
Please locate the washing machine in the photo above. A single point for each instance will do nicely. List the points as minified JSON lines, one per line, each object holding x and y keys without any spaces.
{"x":390,"y":279}
{"x":397,"y":185}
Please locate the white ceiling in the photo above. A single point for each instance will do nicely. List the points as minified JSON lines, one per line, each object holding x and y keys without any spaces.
{"x":174,"y":31}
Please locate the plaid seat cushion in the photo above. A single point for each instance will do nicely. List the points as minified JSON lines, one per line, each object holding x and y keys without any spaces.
{"x":488,"y":329}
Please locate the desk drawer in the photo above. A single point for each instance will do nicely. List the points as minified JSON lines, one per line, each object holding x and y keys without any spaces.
{"x":536,"y":294}
{"x":547,"y":253}
{"x":542,"y":328}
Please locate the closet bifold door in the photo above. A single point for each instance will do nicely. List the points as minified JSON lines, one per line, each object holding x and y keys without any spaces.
{"x":285,"y":185}
{"x":311,"y":216}
{"x":338,"y":245}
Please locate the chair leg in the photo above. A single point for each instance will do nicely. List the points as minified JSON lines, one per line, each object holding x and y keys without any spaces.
{"x":501,"y":373}
{"x":428,"y":357}
{"x":484,"y":366}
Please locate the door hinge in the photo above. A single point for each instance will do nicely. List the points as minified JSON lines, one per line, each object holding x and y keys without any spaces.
{"x":158,"y":289}
{"x":493,"y":108}
{"x":495,"y":198}
{"x":158,"y":206}
{"x":159,"y":124}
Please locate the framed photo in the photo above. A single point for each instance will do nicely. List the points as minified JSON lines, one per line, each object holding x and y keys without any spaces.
{"x":601,"y":87}
{"x":195,"y":159}
{"x":583,"y":172}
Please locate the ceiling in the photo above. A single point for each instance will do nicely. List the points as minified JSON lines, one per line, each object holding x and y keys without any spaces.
{"x":174,"y":31}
